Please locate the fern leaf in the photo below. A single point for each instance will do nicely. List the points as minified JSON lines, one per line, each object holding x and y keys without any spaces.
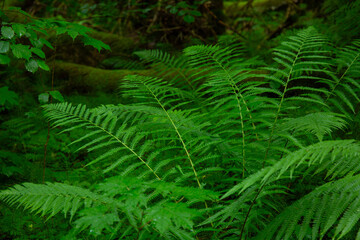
{"x":158,"y":91}
{"x":105,"y":134}
{"x":225,"y":71}
{"x":167,"y":66}
{"x":346,"y":87}
{"x":52,"y":198}
{"x":312,"y":155}
{"x":336,"y":202}
{"x":298,"y":57}
{"x":319,"y":124}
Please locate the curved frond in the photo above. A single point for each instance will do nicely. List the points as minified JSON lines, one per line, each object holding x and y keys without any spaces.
{"x":226,"y":74}
{"x":296,"y":59}
{"x":161,"y":94}
{"x":315,"y":154}
{"x":319,"y":124}
{"x":175,"y":69}
{"x":335,"y":205}
{"x":52,"y":198}
{"x":347,"y":86}
{"x":107,"y":131}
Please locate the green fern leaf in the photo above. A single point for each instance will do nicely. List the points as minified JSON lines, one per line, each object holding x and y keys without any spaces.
{"x":104,"y":134}
{"x":333,"y":203}
{"x":52,"y":198}
{"x":319,"y":124}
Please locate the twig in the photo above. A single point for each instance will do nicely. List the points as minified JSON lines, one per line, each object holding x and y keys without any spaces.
{"x":156,"y":15}
{"x":206,"y":5}
{"x":248,"y":212}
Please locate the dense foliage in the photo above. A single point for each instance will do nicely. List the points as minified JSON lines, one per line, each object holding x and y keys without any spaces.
{"x":209,"y":144}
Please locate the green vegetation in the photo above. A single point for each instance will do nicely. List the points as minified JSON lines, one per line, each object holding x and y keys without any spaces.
{"x":255,"y":136}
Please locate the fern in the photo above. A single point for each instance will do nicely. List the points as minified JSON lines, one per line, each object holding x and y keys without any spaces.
{"x":104,"y":134}
{"x":315,"y":214}
{"x":332,"y":151}
{"x":52,"y":198}
{"x":346,"y":87}
{"x":161,"y":94}
{"x":319,"y":124}
{"x":122,"y":63}
{"x":103,"y":207}
{"x":269,"y":144}
{"x":227,"y":74}
{"x":173,"y":68}
{"x":297,"y":58}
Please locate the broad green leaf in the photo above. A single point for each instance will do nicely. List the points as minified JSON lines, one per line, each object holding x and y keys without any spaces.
{"x":19,"y":29}
{"x":46,"y":43}
{"x":42,"y":65}
{"x":7,"y":32}
{"x":95,"y":43}
{"x":57,"y":95}
{"x":80,"y":29}
{"x":21,"y":51}
{"x":38,"y":52}
{"x":173,"y":10}
{"x":195,"y":13}
{"x":39,"y":29}
{"x":182,"y":4}
{"x":21,"y":11}
{"x":182,"y":12}
{"x":189,"y":19}
{"x":4,"y":59}
{"x":36,"y":43}
{"x":4,"y":46}
{"x":30,"y":33}
{"x":31,"y":66}
{"x":8,"y":97}
{"x":43,"y":98}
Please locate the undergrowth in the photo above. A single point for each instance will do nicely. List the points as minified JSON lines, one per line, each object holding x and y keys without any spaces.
{"x":218,"y":147}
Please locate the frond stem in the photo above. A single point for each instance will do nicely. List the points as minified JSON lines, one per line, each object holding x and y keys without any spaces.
{"x":236,"y":91}
{"x":342,"y":76}
{"x":281,"y":102}
{"x":131,"y":150}
{"x":177,"y":132}
{"x":121,"y":142}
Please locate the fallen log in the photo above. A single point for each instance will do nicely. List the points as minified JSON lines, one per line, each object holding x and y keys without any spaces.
{"x":70,"y":77}
{"x":232,"y":8}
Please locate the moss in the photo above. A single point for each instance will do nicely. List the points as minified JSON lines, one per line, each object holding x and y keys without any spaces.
{"x":116,"y":42}
{"x":85,"y":79}
{"x":232,"y":9}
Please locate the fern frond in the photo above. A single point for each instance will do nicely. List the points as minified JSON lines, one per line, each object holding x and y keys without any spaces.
{"x":343,"y":17}
{"x":346,"y":87}
{"x":122,"y":63}
{"x":175,"y":69}
{"x":226,"y":73}
{"x":153,"y":89}
{"x":167,"y":205}
{"x":265,"y":185}
{"x":334,"y":205}
{"x":297,"y":58}
{"x":319,"y":124}
{"x":315,"y":154}
{"x":52,"y":198}
{"x":107,"y":131}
